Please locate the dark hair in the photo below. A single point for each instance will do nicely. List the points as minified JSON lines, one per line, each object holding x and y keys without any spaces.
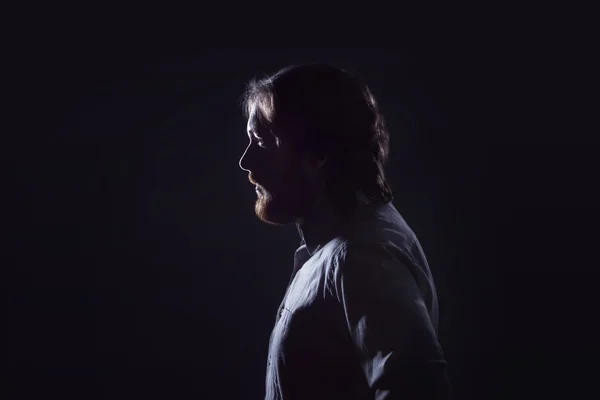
{"x":328,"y":112}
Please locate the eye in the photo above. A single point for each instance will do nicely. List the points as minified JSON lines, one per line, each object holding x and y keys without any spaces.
{"x":260,"y":142}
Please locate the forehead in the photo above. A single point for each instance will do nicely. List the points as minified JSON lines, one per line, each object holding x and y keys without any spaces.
{"x":256,"y":121}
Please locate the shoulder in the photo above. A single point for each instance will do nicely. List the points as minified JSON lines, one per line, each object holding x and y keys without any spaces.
{"x":349,"y":252}
{"x":374,"y":266}
{"x":363,"y":259}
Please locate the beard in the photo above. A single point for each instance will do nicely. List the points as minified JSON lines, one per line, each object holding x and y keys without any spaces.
{"x":284,"y":205}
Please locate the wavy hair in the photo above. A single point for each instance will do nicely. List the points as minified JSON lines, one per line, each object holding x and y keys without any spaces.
{"x":328,"y":113}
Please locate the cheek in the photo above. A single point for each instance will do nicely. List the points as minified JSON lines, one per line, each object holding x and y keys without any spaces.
{"x":290,"y":172}
{"x":298,"y":181}
{"x":282,"y":166}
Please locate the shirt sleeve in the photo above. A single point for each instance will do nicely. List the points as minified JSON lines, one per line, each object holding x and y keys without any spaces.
{"x":389,"y":323}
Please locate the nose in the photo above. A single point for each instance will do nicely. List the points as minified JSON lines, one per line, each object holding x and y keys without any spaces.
{"x":241,"y":163}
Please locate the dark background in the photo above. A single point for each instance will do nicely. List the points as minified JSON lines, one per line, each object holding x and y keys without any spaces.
{"x":137,"y":268}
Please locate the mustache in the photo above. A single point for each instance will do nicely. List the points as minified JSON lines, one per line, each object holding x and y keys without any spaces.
{"x":252,"y":180}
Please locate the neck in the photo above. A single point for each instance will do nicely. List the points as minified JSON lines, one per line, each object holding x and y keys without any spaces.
{"x":320,"y":224}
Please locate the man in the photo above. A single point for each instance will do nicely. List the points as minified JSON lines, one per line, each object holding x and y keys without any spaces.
{"x":359,"y":317}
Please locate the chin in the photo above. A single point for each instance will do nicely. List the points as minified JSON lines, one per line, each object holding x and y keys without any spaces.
{"x":273,"y":212}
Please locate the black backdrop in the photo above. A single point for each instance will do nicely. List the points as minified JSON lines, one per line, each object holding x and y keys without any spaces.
{"x":137,"y":268}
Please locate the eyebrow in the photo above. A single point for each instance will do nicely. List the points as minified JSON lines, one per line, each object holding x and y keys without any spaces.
{"x":253,"y":129}
{"x":252,"y":132}
{"x":256,"y":129}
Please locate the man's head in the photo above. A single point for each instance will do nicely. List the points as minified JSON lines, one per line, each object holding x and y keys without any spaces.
{"x":316,"y":134}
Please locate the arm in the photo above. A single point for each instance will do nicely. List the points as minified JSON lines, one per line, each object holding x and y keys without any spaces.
{"x":389,"y":324}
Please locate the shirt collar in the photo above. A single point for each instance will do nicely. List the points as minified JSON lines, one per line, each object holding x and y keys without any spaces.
{"x":323,"y":224}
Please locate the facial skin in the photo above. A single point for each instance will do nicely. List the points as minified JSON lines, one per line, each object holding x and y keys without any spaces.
{"x":288,"y":184}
